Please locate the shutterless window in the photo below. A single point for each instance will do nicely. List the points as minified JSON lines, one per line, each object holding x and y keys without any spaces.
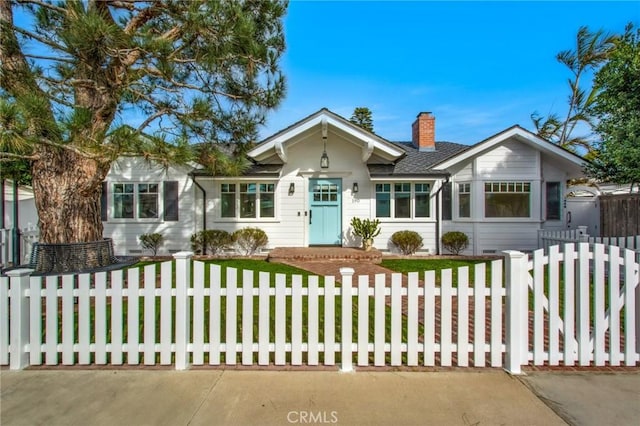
{"x":267,"y":200}
{"x":464,"y":200}
{"x":447,"y":202}
{"x":422,"y":200}
{"x":507,"y":199}
{"x":553,"y":200}
{"x":228,"y":200}
{"x":383,"y":200}
{"x":248,"y":200}
{"x":402,"y":200}
{"x":123,"y":201}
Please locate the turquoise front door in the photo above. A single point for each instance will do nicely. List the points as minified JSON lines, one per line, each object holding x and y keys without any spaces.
{"x":325,"y":212}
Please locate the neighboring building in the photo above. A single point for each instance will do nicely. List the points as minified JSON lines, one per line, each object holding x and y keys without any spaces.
{"x":500,"y":192}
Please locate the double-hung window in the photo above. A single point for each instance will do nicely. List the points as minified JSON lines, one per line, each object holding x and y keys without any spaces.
{"x":249,"y":200}
{"x":135,"y":201}
{"x":140,"y":201}
{"x":403,"y":200}
{"x":464,"y":200}
{"x":507,"y":199}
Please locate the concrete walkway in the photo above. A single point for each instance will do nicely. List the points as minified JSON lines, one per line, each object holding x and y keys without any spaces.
{"x":589,"y":399}
{"x":217,"y":397}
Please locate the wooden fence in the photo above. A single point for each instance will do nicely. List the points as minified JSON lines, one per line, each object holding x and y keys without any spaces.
{"x":191,"y":313}
{"x":620,"y":215}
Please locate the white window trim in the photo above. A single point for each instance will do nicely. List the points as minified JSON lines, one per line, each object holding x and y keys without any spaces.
{"x":135,"y":218}
{"x":412,"y":198}
{"x":237,"y":218}
{"x":456,"y":195}
{"x":532,"y":204}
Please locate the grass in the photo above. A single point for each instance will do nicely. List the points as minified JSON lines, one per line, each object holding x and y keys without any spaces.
{"x":420,"y":265}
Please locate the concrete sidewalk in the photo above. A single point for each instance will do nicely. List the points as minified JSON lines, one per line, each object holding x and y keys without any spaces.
{"x":217,"y":397}
{"x":588,"y":398}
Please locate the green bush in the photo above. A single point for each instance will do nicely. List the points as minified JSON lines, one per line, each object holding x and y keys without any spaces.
{"x":455,"y":241}
{"x":151,"y":242}
{"x":211,"y":241}
{"x":366,"y":229}
{"x":250,"y":240}
{"x":408,"y":242}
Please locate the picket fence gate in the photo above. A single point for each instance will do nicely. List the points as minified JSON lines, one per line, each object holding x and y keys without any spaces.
{"x":181,"y":314}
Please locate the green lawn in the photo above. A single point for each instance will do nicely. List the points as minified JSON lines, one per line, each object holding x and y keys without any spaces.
{"x":420,"y":265}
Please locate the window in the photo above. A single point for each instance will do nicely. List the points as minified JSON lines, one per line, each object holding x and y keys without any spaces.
{"x":422,"y":191}
{"x":267,"y":200}
{"x":553,"y":200}
{"x":142,"y":201}
{"x":148,"y":200}
{"x":123,"y":201}
{"x":228,"y":200}
{"x":401,"y":200}
{"x":507,"y":199}
{"x":247,"y":200}
{"x":464,"y":200}
{"x":447,"y":211}
{"x":383,"y":200}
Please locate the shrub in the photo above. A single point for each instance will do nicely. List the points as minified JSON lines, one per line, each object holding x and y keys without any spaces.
{"x":151,"y":242}
{"x":211,"y":241}
{"x":250,"y":240}
{"x":455,"y":241}
{"x":408,"y":242}
{"x":366,"y":229}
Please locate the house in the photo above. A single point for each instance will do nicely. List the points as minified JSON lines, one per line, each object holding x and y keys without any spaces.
{"x":309,"y":180}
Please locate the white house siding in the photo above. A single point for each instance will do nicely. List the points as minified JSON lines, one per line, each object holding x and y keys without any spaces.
{"x":511,"y":161}
{"x":125,"y":232}
{"x":290,"y":227}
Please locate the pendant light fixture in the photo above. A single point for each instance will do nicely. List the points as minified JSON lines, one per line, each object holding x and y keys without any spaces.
{"x":324,"y":159}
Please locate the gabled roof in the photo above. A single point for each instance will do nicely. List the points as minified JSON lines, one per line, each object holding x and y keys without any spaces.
{"x":516,"y":132}
{"x":325,"y":119}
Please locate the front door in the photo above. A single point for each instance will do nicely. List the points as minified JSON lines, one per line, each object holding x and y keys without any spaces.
{"x":325,"y":211}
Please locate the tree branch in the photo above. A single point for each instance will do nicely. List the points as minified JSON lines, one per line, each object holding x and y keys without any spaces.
{"x":9,"y":156}
{"x":39,"y":39}
{"x":45,"y":5}
{"x":71,"y":148}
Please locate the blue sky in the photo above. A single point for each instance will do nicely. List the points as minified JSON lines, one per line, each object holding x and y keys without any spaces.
{"x":480,"y":67}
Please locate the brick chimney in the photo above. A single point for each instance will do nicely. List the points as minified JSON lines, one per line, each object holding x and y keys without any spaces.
{"x":423,"y":132}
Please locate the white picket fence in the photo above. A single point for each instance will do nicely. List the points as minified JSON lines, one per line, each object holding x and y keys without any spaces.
{"x":548,"y":238}
{"x":190,"y":313}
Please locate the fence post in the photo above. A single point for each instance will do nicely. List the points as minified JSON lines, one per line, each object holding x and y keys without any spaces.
{"x":346,"y":319}
{"x":19,"y":321}
{"x":516,"y":310}
{"x":183,"y":308}
{"x":583,"y":237}
{"x":638,"y":302}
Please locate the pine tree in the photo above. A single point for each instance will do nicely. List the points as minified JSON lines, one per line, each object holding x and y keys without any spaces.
{"x":75,"y":75}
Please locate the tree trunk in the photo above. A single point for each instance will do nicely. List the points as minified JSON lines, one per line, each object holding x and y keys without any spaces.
{"x":67,"y":188}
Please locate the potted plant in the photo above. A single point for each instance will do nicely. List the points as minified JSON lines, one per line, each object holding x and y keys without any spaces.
{"x":366,"y":229}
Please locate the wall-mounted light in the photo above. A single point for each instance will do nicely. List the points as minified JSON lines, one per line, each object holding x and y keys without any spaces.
{"x":324,"y":159}
{"x":292,"y":188}
{"x":355,"y":188}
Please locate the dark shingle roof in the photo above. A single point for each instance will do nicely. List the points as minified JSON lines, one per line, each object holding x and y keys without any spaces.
{"x":416,"y":162}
